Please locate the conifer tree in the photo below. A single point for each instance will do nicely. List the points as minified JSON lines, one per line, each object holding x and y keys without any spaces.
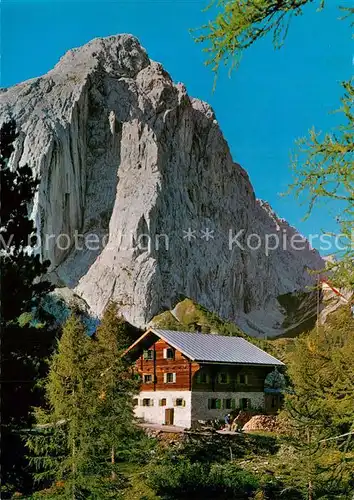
{"x":321,"y":407}
{"x":239,"y":24}
{"x":324,"y":171}
{"x":22,"y":288}
{"x":88,"y":423}
{"x":63,"y":445}
{"x":323,"y":163}
{"x":21,"y":267}
{"x":115,"y":387}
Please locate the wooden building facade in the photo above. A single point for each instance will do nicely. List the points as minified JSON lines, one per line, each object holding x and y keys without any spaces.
{"x":186,"y":378}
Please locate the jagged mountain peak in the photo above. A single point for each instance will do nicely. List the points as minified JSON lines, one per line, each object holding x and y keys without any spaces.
{"x":118,"y":55}
{"x":128,"y":159}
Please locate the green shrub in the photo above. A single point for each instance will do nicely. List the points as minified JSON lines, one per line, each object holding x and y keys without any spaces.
{"x":137,"y":448}
{"x":234,"y":482}
{"x":185,"y":479}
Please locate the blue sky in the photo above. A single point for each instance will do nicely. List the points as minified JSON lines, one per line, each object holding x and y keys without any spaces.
{"x":272,"y":99}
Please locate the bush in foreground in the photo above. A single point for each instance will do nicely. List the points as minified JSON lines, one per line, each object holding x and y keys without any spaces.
{"x":185,"y":479}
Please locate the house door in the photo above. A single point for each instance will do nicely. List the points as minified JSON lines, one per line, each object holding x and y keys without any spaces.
{"x":169,"y":414}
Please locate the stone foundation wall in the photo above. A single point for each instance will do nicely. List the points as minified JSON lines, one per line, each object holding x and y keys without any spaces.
{"x":200,"y":410}
{"x":156,"y":414}
{"x":195,"y":406}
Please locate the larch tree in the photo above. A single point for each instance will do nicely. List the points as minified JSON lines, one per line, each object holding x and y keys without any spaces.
{"x":88,"y":423}
{"x":320,"y":408}
{"x":115,"y":387}
{"x":62,"y":444}
{"x":324,"y":171}
{"x":240,"y":23}
{"x":323,"y":164}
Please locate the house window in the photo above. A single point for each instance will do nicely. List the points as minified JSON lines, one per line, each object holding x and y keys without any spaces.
{"x":223,"y":378}
{"x":163,"y":402}
{"x":214,"y":404}
{"x":242,"y":378}
{"x":148,"y":354}
{"x":179,"y":402}
{"x":135,"y":401}
{"x":202,"y":378}
{"x":169,"y":353}
{"x":148,"y":402}
{"x":169,"y":378}
{"x":228,"y":404}
{"x":147,"y":378}
{"x":245,"y":404}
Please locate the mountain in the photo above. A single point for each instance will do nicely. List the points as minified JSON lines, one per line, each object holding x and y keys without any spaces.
{"x":140,"y":200}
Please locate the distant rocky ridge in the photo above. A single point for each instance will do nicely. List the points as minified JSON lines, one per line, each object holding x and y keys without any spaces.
{"x":123,"y":151}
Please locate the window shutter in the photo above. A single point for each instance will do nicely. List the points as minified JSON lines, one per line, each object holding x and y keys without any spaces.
{"x":160,"y":402}
{"x":151,"y":402}
{"x":184,"y":402}
{"x":233,"y":404}
{"x":174,"y":378}
{"x":218,"y":404}
{"x":224,"y":403}
{"x":145,"y":355}
{"x":165,"y":353}
{"x":174,"y":402}
{"x":165,"y":378}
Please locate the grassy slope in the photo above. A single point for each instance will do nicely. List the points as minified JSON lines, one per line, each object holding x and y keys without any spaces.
{"x":259,"y":453}
{"x":300,"y":311}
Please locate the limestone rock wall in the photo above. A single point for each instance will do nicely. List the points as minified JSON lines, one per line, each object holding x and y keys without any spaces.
{"x":126,"y":156}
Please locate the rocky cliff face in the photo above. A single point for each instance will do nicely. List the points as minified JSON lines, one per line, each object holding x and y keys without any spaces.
{"x":141,"y":170}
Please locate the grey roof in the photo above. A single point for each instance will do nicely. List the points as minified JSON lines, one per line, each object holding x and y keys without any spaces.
{"x":216,"y":348}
